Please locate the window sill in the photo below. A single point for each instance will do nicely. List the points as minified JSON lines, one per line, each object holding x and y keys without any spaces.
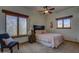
{"x":19,"y":36}
{"x":64,"y":28}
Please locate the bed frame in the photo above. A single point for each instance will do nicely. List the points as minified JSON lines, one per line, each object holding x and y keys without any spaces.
{"x":38,"y":27}
{"x":57,"y":39}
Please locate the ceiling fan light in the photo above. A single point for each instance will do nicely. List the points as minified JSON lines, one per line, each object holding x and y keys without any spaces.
{"x":46,"y":11}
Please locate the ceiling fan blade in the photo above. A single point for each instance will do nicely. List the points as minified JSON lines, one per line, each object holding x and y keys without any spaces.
{"x":51,"y":8}
{"x":50,"y":12}
{"x":45,"y":7}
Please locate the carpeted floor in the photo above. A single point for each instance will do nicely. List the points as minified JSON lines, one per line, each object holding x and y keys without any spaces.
{"x":66,"y":47}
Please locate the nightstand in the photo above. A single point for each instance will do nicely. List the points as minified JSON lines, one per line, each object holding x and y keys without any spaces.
{"x":32,"y":37}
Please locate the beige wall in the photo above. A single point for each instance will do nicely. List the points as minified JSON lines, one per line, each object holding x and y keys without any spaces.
{"x":69,"y":34}
{"x":34,"y":18}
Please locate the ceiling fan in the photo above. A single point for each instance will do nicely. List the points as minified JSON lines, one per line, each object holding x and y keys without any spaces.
{"x":46,"y":10}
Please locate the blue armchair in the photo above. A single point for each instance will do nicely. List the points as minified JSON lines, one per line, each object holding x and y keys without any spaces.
{"x":10,"y":45}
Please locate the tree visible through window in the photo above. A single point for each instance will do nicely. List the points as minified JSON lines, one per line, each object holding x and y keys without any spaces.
{"x":11,"y":25}
{"x":22,"y":26}
{"x":16,"y":26}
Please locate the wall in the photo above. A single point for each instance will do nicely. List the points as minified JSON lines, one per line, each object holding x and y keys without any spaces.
{"x":34,"y":18}
{"x":69,"y":34}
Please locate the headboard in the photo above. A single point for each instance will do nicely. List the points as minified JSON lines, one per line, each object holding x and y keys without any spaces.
{"x":38,"y":27}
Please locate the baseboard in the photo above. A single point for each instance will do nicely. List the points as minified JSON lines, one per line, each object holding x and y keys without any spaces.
{"x":72,"y":41}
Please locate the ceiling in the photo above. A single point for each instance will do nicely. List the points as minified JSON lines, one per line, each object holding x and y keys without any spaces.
{"x":57,"y":8}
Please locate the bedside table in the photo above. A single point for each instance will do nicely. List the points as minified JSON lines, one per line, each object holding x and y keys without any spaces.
{"x":32,"y":37}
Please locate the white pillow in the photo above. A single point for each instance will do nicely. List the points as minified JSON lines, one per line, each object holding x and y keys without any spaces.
{"x":7,"y":41}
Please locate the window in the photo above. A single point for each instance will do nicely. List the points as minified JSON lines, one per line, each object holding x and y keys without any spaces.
{"x":64,"y":22}
{"x":22,"y":26}
{"x":59,"y":24}
{"x":11,"y":25}
{"x":16,"y":24}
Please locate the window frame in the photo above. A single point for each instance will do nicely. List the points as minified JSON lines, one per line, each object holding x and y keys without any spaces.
{"x":17,"y":15}
{"x":63,"y":18}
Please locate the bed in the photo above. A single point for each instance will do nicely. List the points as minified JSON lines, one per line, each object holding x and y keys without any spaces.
{"x":52,"y":40}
